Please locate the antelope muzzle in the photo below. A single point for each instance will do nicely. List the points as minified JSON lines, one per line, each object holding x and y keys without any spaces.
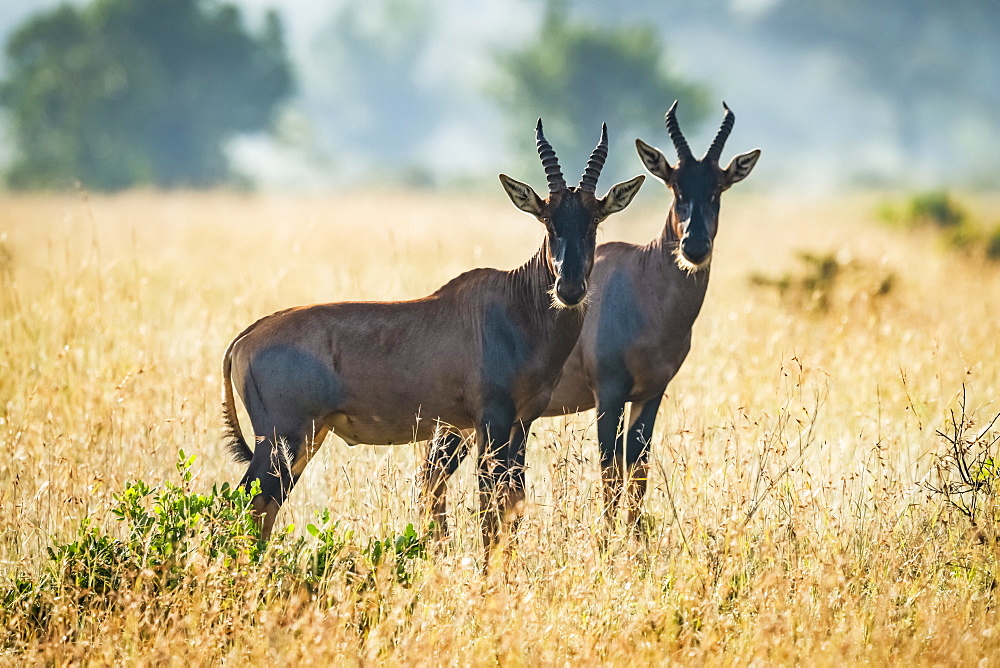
{"x":573,"y":261}
{"x":696,"y":248}
{"x":570,"y":293}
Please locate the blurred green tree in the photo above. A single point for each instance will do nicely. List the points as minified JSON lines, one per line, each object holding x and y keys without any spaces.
{"x":132,"y":92}
{"x":576,"y":76}
{"x":377,"y":102}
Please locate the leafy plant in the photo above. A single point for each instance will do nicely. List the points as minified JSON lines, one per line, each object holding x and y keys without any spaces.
{"x":993,"y":244}
{"x":938,"y":210}
{"x":172,"y":531}
{"x":167,"y":526}
{"x":382,"y":561}
{"x":395,"y":553}
{"x":966,"y":474}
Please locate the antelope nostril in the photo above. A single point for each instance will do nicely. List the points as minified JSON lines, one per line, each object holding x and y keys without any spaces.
{"x":570,"y":294}
{"x":696,"y":250}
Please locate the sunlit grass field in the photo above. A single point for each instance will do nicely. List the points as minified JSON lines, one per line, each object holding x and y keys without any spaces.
{"x":787,"y":519}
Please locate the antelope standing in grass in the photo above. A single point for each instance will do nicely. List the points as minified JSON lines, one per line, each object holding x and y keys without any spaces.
{"x":482,"y":353}
{"x":646,"y":298}
{"x":644,"y":302}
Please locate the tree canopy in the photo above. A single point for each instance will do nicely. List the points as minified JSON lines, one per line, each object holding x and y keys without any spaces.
{"x":138,"y":92}
{"x":576,"y":76}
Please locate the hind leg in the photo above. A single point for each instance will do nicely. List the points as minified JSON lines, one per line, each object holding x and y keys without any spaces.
{"x":518,"y":448}
{"x":271,"y":466}
{"x":278,"y":462}
{"x":444,"y":456}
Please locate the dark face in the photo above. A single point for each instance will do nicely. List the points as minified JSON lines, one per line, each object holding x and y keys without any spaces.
{"x":571,"y":219}
{"x":697,"y":188}
{"x":570,"y":216}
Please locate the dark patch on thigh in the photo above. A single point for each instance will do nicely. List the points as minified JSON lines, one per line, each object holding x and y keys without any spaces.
{"x":287,"y":388}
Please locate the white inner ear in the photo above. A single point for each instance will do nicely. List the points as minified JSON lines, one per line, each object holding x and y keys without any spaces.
{"x":741,"y":166}
{"x":621,"y":195}
{"x":521,"y":194}
{"x":654,"y":160}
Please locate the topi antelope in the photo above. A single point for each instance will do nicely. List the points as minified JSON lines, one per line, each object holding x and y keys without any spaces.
{"x":646,"y":298}
{"x":481,"y":354}
{"x":644,"y":302}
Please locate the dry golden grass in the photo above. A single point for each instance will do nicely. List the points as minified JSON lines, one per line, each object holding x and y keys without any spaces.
{"x":786,"y":521}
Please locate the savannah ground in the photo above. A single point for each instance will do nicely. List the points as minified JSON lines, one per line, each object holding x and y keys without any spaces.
{"x":786,"y":521}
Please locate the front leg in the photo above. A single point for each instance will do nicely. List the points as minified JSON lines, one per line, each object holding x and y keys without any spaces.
{"x":501,"y":474}
{"x":444,"y":456}
{"x":610,"y":438}
{"x":640,"y":432}
{"x":519,"y":445}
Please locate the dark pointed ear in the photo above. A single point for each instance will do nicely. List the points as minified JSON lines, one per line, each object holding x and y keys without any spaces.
{"x":620,"y":196}
{"x":654,"y":160}
{"x":522,"y":195}
{"x":739,"y":167}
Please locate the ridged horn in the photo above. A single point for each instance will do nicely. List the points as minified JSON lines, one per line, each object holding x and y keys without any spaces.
{"x":588,"y":182}
{"x":674,"y":130}
{"x":714,"y":151}
{"x":553,"y":173}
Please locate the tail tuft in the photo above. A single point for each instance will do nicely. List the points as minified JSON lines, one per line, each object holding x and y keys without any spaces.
{"x":232,"y":436}
{"x":233,"y":439}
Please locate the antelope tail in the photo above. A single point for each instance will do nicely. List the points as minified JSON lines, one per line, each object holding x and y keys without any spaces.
{"x":232,"y":436}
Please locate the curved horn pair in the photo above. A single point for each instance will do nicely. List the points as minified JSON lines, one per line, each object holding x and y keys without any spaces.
{"x":553,"y":173}
{"x":714,"y":151}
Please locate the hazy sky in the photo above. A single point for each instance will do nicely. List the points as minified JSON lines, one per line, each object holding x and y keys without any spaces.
{"x":817,"y":126}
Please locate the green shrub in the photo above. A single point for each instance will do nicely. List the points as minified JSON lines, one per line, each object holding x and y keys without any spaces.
{"x":171,"y":533}
{"x":335,"y":550}
{"x":938,"y":210}
{"x":993,"y":244}
{"x":827,"y":280}
{"x":168,"y":526}
{"x":389,"y":560}
{"x":935,"y":208}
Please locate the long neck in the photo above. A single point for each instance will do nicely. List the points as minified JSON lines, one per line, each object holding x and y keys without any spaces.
{"x":660,"y":254}
{"x":668,"y":239}
{"x":531,"y":285}
{"x":684,"y":290}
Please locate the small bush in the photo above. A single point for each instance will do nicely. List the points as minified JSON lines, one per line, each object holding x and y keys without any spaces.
{"x":966,"y":473}
{"x":935,"y":208}
{"x":176,"y":537}
{"x":993,"y":244}
{"x":827,"y":280}
{"x":168,"y":527}
{"x":335,"y":550}
{"x":938,"y":210}
{"x":965,"y":237}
